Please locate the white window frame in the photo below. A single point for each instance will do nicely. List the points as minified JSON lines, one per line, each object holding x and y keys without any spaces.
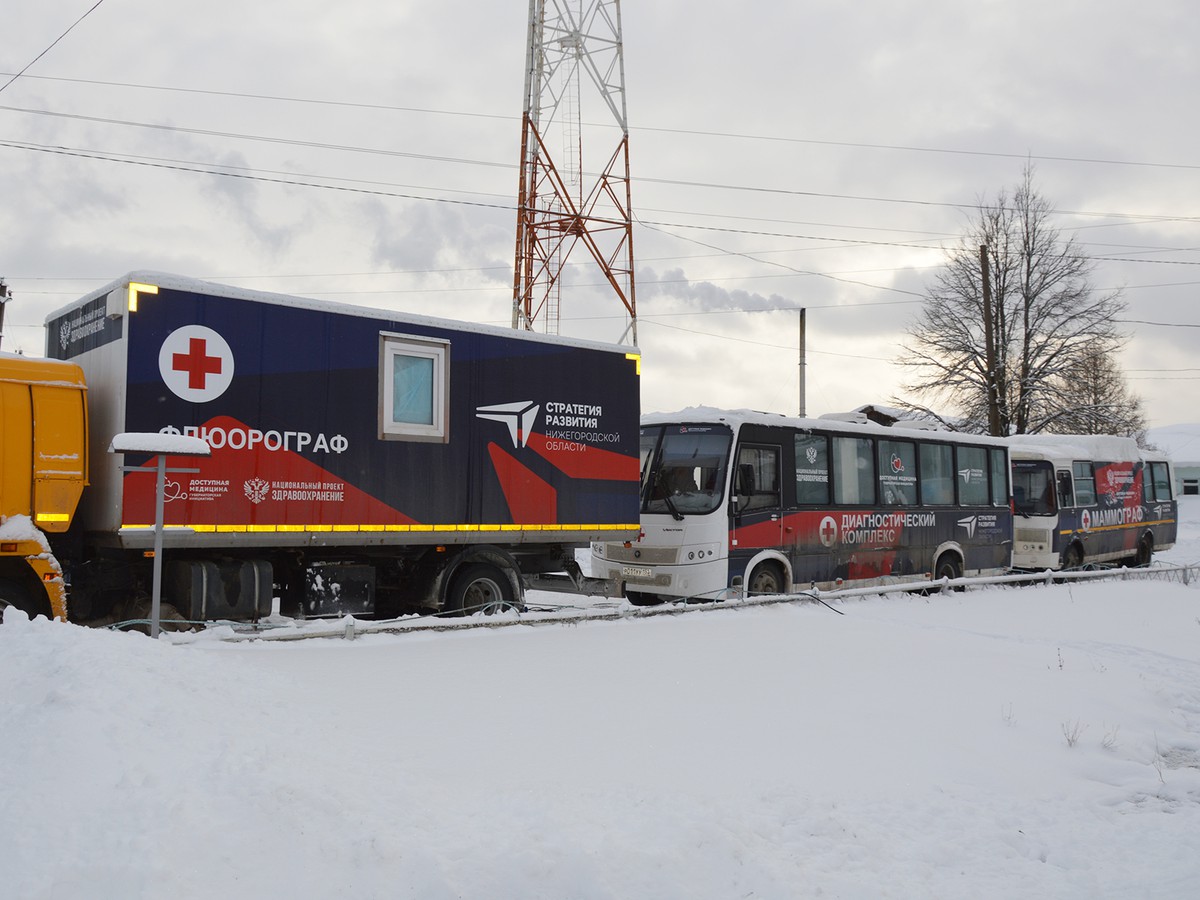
{"x":392,"y":345}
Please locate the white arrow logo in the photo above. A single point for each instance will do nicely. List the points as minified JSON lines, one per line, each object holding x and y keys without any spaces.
{"x":519,"y":417}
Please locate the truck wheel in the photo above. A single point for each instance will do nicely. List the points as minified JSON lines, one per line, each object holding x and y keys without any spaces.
{"x":1145,"y":552}
{"x":766,"y":578}
{"x":14,"y":593}
{"x":480,"y":588}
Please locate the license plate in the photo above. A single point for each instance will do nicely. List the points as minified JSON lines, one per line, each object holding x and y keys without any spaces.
{"x":635,"y":571}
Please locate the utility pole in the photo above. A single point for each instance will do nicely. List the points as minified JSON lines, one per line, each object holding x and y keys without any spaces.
{"x":558,"y":205}
{"x":989,"y":343}
{"x":5,"y":296}
{"x":803,"y":363}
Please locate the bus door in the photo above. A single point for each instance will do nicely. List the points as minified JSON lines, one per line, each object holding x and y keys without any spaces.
{"x":755,"y":509}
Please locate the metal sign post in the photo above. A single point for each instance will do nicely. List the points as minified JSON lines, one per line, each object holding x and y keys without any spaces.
{"x":162,"y":445}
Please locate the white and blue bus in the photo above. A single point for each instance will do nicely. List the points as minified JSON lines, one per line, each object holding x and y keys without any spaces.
{"x":1080,"y":500}
{"x":736,"y":503}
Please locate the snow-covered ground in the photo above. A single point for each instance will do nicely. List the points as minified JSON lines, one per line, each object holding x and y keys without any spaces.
{"x":1034,"y":742}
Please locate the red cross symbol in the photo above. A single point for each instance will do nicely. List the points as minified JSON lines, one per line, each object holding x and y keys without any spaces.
{"x":828,"y":532}
{"x":197,"y":363}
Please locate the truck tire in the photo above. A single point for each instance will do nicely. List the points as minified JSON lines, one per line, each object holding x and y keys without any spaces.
{"x":14,"y":593}
{"x":480,"y":588}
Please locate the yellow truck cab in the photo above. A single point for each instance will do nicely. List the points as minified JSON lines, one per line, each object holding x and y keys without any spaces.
{"x":43,"y":470}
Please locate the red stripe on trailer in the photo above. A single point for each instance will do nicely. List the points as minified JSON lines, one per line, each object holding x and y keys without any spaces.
{"x":531,"y":501}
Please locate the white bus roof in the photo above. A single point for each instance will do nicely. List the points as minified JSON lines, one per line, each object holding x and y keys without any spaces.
{"x":737,"y":417}
{"x":1065,"y":447}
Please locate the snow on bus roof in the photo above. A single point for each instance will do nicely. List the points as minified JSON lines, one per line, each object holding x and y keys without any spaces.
{"x":1102,"y":447}
{"x":847,"y":424}
{"x":196,"y":285}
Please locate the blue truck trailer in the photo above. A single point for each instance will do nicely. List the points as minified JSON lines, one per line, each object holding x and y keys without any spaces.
{"x":362,"y":461}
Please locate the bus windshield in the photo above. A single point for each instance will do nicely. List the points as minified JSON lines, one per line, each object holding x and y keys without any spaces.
{"x":683,"y":468}
{"x":1033,"y":488}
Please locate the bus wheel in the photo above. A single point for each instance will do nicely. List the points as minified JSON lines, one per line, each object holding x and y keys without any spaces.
{"x":1145,"y":552}
{"x":480,"y":588}
{"x":1073,"y":557}
{"x":948,"y":566}
{"x":641,"y":598}
{"x":766,"y":578}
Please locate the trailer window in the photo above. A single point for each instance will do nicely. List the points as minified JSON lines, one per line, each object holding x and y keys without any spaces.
{"x":414,"y":388}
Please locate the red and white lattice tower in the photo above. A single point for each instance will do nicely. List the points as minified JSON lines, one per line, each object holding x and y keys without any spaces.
{"x":572,"y":43}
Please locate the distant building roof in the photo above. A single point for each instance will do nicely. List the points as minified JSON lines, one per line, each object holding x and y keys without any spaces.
{"x":1180,"y":442}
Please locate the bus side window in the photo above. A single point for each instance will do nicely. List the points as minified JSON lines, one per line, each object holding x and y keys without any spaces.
{"x":812,"y":469}
{"x":1000,"y":473}
{"x":937,"y":474}
{"x":1085,"y":482}
{"x":973,"y":489}
{"x":853,"y":471}
{"x":758,"y":478}
{"x":1066,"y":493}
{"x":897,"y":472}
{"x":1159,"y":482}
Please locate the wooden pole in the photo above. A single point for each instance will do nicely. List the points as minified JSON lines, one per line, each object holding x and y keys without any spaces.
{"x":989,"y":343}
{"x":803,"y":401}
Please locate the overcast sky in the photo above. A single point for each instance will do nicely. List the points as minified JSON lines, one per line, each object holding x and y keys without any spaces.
{"x":817,"y":154}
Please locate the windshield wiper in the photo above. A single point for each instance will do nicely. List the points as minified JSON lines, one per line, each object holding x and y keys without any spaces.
{"x":660,"y":484}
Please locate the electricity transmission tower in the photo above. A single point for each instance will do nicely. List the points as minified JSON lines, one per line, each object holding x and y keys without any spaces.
{"x":560,"y":205}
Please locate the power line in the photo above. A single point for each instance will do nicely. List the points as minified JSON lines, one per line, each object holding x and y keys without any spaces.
{"x":293,"y":142}
{"x":1162,"y":324}
{"x":770,"y":262}
{"x":487,"y":163}
{"x":52,"y":45}
{"x":295,"y":182}
{"x":349,"y":104}
{"x":726,"y":337}
{"x":291,"y":182}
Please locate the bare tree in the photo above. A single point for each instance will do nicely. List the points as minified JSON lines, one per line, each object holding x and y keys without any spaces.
{"x":1045,"y":317}
{"x":1103,"y":402}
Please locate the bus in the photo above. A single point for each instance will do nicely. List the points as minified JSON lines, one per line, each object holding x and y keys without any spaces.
{"x":739,"y":503}
{"x":1079,"y":500}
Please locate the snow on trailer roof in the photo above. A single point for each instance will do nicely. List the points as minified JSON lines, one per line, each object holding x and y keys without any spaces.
{"x":850,"y":424}
{"x":196,"y":285}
